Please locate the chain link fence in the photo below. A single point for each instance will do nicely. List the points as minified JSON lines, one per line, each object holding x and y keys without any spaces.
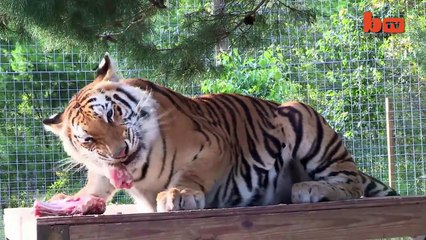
{"x":331,"y":64}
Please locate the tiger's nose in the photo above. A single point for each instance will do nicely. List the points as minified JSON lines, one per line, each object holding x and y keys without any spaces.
{"x":121,"y":152}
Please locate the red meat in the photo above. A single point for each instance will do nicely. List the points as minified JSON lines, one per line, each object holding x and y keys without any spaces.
{"x":70,"y":206}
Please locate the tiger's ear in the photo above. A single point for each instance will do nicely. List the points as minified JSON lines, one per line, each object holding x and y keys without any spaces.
{"x":54,"y":123}
{"x":107,"y":70}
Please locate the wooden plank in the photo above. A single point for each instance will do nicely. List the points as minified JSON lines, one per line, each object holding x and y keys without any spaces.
{"x":20,"y":223}
{"x":352,"y":219}
{"x":53,"y":232}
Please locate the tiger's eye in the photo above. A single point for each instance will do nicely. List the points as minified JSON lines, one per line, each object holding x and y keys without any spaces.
{"x":109,"y":115}
{"x":143,"y":113}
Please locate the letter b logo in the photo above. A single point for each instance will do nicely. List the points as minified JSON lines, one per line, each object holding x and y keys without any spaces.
{"x":371,"y":24}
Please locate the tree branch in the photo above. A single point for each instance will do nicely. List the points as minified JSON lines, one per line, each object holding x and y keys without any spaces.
{"x":139,"y":17}
{"x":241,"y":22}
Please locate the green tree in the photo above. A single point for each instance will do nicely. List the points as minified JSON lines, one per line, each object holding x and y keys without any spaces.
{"x":180,"y":33}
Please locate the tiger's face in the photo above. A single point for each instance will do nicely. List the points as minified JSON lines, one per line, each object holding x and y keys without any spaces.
{"x":107,"y":123}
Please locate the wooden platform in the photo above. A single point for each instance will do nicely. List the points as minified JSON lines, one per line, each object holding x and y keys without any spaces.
{"x":354,"y":219}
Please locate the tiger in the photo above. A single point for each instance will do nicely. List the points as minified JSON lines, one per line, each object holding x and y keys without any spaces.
{"x":219,"y":150}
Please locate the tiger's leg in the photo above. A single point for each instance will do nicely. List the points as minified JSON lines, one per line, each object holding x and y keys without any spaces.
{"x":96,"y":185}
{"x":188,"y":187}
{"x":324,"y":190}
{"x":186,"y":191}
{"x":317,"y":147}
{"x":339,"y":181}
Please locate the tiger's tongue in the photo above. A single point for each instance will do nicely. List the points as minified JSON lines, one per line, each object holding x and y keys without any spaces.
{"x":119,"y":177}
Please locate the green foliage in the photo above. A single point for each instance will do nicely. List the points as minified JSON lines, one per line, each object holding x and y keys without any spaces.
{"x":61,"y":185}
{"x":264,"y":76}
{"x":34,"y":83}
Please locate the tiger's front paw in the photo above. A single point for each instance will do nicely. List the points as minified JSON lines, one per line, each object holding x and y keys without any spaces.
{"x":308,"y":192}
{"x":175,"y":199}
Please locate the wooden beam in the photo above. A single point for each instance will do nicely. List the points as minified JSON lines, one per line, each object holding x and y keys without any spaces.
{"x":352,"y":219}
{"x":390,"y":139}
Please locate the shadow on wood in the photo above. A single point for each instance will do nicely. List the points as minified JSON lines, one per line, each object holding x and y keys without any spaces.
{"x":352,"y":219}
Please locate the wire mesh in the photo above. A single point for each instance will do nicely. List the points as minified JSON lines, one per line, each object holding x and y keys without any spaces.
{"x":343,"y":72}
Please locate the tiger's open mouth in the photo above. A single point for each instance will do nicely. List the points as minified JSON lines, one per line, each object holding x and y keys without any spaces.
{"x":119,"y":175}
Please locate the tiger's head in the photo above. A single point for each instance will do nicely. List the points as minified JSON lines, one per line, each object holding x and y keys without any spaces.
{"x":107,"y":122}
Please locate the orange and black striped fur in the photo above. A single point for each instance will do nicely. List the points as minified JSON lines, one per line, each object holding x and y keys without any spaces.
{"x":211,"y":151}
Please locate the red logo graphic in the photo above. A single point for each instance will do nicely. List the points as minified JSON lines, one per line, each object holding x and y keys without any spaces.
{"x":389,"y":25}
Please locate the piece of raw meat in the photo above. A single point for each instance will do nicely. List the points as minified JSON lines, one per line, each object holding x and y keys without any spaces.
{"x":120,"y":177}
{"x":83,"y":205}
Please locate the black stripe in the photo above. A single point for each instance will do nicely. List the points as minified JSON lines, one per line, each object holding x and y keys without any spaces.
{"x":247,"y":113}
{"x":82,"y":95}
{"x":252,"y":149}
{"x":196,"y":155}
{"x":262,"y":180}
{"x":128,"y":95}
{"x":172,"y":101}
{"x":308,"y":109}
{"x":227,"y":184}
{"x":223,"y":115}
{"x":258,"y":105}
{"x":328,"y":152}
{"x":265,"y":116}
{"x":277,"y":167}
{"x":196,"y":106}
{"x":296,"y":121}
{"x":232,"y":110}
{"x":217,"y":112}
{"x":236,"y":195}
{"x":172,"y":169}
{"x":268,"y":142}
{"x":326,"y":160}
{"x":343,"y":155}
{"x":246,"y":172}
{"x":118,"y":109}
{"x":163,"y":162}
{"x":210,"y":111}
{"x":370,"y":186}
{"x":73,"y":118}
{"x":177,"y":104}
{"x":118,"y":98}
{"x":93,"y":99}
{"x":145,"y":166}
{"x":316,"y":146}
{"x":96,"y":105}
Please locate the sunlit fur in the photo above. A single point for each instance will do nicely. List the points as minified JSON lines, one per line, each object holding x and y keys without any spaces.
{"x":219,"y":150}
